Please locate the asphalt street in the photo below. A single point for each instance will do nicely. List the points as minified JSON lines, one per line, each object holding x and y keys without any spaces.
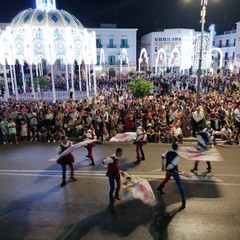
{"x":35,"y":207}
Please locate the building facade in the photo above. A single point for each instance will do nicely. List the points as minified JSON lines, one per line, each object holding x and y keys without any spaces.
{"x":116,"y":49}
{"x":175,"y":51}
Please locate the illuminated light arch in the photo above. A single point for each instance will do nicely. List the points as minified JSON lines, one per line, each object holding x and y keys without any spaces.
{"x":142,"y":54}
{"x":102,"y":57}
{"x":161,"y":51}
{"x":175,"y":50}
{"x":124,"y":57}
{"x":221,"y":55}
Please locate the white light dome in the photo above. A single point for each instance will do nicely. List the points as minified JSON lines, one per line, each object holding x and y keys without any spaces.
{"x":44,"y":17}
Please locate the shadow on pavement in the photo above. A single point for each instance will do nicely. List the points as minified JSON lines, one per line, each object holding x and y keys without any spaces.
{"x":15,"y":216}
{"x":123,"y":221}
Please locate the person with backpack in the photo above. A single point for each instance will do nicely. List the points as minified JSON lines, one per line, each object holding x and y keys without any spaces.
{"x":171,"y":159}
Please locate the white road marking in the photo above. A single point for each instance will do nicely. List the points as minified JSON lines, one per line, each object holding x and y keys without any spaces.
{"x":208,"y":178}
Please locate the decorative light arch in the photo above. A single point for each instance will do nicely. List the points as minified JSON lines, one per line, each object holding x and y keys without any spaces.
{"x":175,"y":50}
{"x":161,"y":51}
{"x":142,"y":54}
{"x":219,"y":50}
{"x":124,"y":57}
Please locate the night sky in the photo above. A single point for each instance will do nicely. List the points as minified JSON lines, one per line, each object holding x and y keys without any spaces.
{"x":146,"y":15}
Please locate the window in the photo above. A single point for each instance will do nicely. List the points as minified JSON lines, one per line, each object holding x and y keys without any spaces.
{"x":220,"y":43}
{"x":98,"y":59}
{"x":227,"y":43}
{"x":214,"y":43}
{"x":111,"y":60}
{"x":124,"y":43}
{"x":111,"y":43}
{"x":225,"y":63}
{"x":156,"y":49}
{"x":156,"y":39}
{"x":98,"y":43}
{"x":226,"y":56}
{"x":60,"y":65}
{"x":234,"y":42}
{"x":233,"y":56}
{"x":164,"y":39}
{"x":160,"y":39}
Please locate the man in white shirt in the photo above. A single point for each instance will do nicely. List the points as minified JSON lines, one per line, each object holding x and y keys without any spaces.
{"x":198,"y":119}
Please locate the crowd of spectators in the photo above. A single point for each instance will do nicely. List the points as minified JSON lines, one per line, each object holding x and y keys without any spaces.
{"x":170,"y":113}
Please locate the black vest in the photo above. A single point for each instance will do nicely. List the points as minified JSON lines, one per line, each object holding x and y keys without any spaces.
{"x":169,"y":158}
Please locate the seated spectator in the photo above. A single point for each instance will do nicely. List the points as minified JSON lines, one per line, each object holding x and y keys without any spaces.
{"x":150,"y":133}
{"x":60,"y":133}
{"x":42,"y":133}
{"x":120,"y":127}
{"x":33,"y":133}
{"x":211,"y":132}
{"x":157,"y":135}
{"x":52,"y":134}
{"x":177,"y":133}
{"x":236,"y":135}
{"x":226,"y":133}
{"x":168,"y":137}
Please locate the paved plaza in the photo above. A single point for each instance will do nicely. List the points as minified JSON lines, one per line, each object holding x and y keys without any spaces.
{"x":34,"y":206}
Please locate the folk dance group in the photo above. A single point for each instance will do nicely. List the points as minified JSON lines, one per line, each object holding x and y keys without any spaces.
{"x":170,"y":161}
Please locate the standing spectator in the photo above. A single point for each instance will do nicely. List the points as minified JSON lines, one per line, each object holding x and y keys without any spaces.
{"x":24,"y":131}
{"x":198,"y":119}
{"x":12,"y":132}
{"x":4,"y":129}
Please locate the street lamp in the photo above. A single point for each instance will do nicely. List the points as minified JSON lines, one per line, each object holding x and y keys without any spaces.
{"x":203,"y":15}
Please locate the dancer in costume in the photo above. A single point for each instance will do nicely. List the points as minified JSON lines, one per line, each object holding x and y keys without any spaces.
{"x":203,"y":139}
{"x":90,"y":135}
{"x":141,"y":139}
{"x":66,"y":160}
{"x":113,"y":165}
{"x":171,"y":159}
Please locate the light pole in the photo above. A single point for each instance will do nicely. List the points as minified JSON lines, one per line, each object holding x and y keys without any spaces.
{"x":203,"y":15}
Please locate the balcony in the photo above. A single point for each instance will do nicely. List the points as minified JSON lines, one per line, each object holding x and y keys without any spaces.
{"x":111,"y":46}
{"x":124,"y":46}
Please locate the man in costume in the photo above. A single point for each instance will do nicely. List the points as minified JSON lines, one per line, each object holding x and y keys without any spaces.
{"x":203,"y":139}
{"x":113,"y":173}
{"x":141,"y":139}
{"x":66,"y":160}
{"x":90,"y":135}
{"x":171,"y":159}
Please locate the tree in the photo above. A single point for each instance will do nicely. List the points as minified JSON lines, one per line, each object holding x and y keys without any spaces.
{"x":41,"y":82}
{"x":140,"y":88}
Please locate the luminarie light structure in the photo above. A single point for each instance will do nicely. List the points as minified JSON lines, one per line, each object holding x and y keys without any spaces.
{"x":46,"y":33}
